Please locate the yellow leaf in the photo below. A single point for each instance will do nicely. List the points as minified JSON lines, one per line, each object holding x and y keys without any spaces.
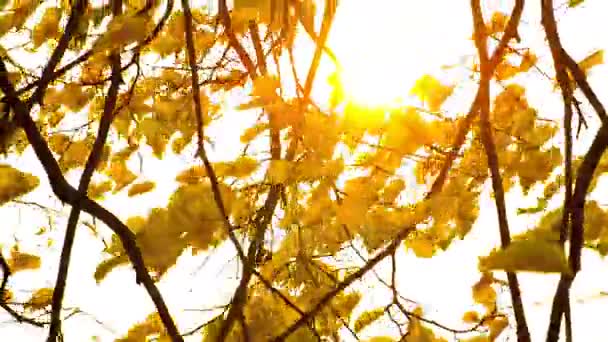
{"x":484,"y":293}
{"x":193,"y":175}
{"x":422,"y":247}
{"x":39,"y":299}
{"x":14,"y":183}
{"x":75,"y":155}
{"x":178,"y":144}
{"x":96,"y":190}
{"x":392,"y":190}
{"x":74,"y":97}
{"x":140,"y":188}
{"x":367,"y":318}
{"x":252,"y":132}
{"x":498,"y":22}
{"x":121,"y":175}
{"x":265,"y":87}
{"x":48,"y":27}
{"x":135,"y":223}
{"x":528,"y":60}
{"x":478,"y":338}
{"x":497,"y":326}
{"x":352,"y":212}
{"x":23,"y":261}
{"x":380,"y":339}
{"x":243,"y":166}
{"x":106,"y":266}
{"x":470,"y":317}
{"x":140,"y":331}
{"x":278,"y":172}
{"x":59,"y":143}
{"x":527,"y":255}
{"x":596,"y":58}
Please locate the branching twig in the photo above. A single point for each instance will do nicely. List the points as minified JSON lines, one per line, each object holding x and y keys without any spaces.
{"x":68,"y":194}
{"x":563,"y":62}
{"x":48,"y":73}
{"x":85,"y":180}
{"x":483,"y":103}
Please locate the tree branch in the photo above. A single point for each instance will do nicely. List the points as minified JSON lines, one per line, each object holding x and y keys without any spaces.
{"x":66,"y":193}
{"x":523,"y":334}
{"x":85,"y":180}
{"x":465,"y":124}
{"x":47,"y":74}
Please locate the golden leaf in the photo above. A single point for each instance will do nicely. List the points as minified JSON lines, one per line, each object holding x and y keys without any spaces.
{"x":23,"y":261}
{"x":96,"y":190}
{"x":470,"y":317}
{"x":278,"y":172}
{"x":193,"y":175}
{"x":367,"y":318}
{"x":123,"y":30}
{"x":527,"y":255}
{"x":596,"y":58}
{"x":140,"y":188}
{"x":14,"y":183}
{"x":39,"y":299}
{"x":497,"y":326}
{"x":121,"y":175}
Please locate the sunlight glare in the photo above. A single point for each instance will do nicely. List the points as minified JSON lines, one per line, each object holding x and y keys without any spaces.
{"x":375,"y":45}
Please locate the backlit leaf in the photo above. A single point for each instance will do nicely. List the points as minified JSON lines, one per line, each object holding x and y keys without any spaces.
{"x":20,"y":261}
{"x":140,"y":188}
{"x":367,"y":318}
{"x":14,"y":183}
{"x":39,"y":299}
{"x":527,"y":255}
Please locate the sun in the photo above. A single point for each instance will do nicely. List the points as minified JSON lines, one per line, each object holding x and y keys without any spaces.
{"x":375,"y":44}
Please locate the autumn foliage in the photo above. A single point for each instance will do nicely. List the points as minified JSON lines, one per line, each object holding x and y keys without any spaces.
{"x":109,"y":84}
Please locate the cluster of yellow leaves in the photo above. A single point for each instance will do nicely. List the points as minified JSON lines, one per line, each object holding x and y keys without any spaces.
{"x":47,"y":28}
{"x":72,"y":96}
{"x":520,"y":139}
{"x":192,"y":218}
{"x":17,"y":15}
{"x":123,"y":30}
{"x":14,"y":183}
{"x":265,"y":314}
{"x":239,"y":168}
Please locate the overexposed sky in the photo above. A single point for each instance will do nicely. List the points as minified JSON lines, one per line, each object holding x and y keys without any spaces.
{"x":384,"y":46}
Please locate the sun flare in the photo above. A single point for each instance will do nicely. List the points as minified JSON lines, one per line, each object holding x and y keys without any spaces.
{"x":374,"y":45}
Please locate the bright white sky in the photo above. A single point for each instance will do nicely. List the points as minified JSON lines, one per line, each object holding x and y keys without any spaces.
{"x":384,"y":45}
